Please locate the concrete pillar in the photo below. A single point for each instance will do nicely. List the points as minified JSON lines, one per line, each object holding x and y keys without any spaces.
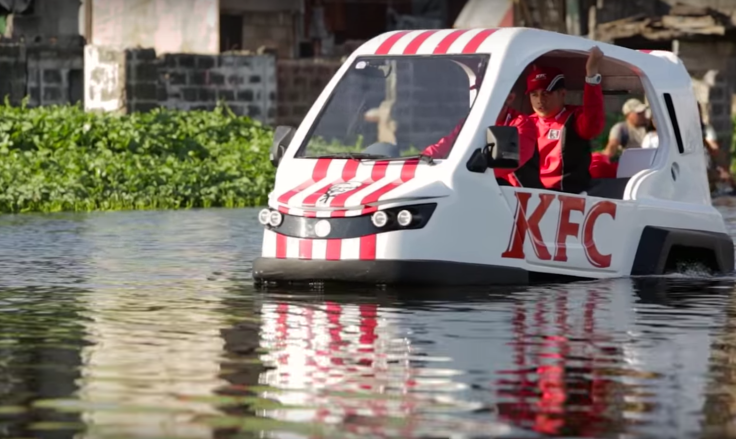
{"x":104,"y":79}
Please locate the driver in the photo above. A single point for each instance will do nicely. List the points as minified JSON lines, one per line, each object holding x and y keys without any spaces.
{"x":565,"y":131}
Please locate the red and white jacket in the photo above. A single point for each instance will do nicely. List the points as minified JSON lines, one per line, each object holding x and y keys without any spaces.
{"x":564,"y":163}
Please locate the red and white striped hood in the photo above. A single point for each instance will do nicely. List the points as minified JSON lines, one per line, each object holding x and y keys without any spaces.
{"x":331,"y":187}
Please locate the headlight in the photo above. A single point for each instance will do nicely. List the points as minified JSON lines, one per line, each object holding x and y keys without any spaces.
{"x":379,"y":218}
{"x":404,"y":218}
{"x":275,"y":218}
{"x":263,"y":216}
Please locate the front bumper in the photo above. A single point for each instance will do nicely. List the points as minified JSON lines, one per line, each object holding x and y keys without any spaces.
{"x":387,"y":272}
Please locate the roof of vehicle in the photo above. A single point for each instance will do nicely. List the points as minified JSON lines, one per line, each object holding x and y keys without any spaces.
{"x":529,"y":44}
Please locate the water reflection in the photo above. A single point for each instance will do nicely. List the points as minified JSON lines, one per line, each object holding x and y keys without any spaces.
{"x":586,"y":360}
{"x":39,"y":356}
{"x":155,"y":342}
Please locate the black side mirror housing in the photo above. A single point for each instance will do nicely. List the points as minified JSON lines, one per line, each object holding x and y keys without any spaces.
{"x":501,"y":150}
{"x":502,"y":147}
{"x":281,"y":138}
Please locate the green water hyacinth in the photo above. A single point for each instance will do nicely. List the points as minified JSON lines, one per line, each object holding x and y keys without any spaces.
{"x":61,"y":158}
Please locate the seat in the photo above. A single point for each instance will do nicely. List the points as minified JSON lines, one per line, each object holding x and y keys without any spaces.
{"x":633,"y":160}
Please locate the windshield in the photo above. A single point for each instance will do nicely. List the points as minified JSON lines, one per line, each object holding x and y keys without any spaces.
{"x":397,"y":106}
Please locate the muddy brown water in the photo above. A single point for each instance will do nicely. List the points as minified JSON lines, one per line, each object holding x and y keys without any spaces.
{"x":147,"y":325}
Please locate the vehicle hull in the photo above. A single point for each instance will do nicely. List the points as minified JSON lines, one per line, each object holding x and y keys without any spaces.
{"x":387,"y":272}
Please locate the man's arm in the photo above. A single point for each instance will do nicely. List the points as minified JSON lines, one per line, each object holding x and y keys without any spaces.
{"x":442,"y":148}
{"x":711,"y":140}
{"x":527,"y":142}
{"x":591,"y":118}
{"x":614,"y":140}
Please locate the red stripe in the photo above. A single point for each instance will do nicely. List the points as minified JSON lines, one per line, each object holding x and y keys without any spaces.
{"x":407,"y":173}
{"x":348,"y":173}
{"x":368,"y":247}
{"x":377,"y":173}
{"x":305,"y":249}
{"x":645,"y":51}
{"x":386,"y":46}
{"x":318,"y":173}
{"x":446,"y":42}
{"x":334,"y":249}
{"x":414,"y":45}
{"x":477,"y":40}
{"x":284,"y":210}
{"x":312,"y":198}
{"x":281,"y":246}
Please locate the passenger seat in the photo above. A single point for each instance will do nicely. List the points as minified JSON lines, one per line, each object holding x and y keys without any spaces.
{"x":633,"y":160}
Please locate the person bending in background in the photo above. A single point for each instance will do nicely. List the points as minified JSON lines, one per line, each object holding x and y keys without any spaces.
{"x":716,"y":172}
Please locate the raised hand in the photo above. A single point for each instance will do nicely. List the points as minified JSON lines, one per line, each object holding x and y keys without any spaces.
{"x":594,"y":57}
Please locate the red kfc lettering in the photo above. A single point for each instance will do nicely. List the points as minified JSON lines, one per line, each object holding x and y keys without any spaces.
{"x":524,"y":225}
{"x":565,"y":228}
{"x":595,"y":258}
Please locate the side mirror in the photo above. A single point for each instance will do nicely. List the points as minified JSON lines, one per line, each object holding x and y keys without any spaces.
{"x":502,"y":147}
{"x":281,"y":138}
{"x":501,"y":150}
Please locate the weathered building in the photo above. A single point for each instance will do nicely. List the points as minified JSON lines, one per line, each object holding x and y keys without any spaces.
{"x":702,"y":34}
{"x":41,"y":51}
{"x":128,"y":55}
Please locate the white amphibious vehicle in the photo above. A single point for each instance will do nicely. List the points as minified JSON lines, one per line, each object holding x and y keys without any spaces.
{"x":356,"y":200}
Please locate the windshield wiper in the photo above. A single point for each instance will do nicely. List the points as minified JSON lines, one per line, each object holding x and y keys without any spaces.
{"x":363,"y":156}
{"x":349,"y":155}
{"x":422,"y":158}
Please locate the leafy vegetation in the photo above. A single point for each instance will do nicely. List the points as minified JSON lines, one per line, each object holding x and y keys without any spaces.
{"x":61,"y":158}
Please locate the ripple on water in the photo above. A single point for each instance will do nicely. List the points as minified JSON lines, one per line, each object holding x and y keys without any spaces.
{"x":145,"y":324}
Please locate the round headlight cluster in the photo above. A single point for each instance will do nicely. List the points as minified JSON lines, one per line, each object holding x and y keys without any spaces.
{"x":404,"y":218}
{"x":263,"y":216}
{"x":270,"y":217}
{"x":380,"y":218}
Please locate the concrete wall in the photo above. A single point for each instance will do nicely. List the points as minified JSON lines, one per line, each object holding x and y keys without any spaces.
{"x":272,"y":29}
{"x":47,"y":74}
{"x":242,"y":6}
{"x":138,"y":80}
{"x":13,"y":66}
{"x":712,"y":66}
{"x":55,"y":75}
{"x":51,"y":18}
{"x":611,"y":10}
{"x":300,"y":81}
{"x":168,"y":26}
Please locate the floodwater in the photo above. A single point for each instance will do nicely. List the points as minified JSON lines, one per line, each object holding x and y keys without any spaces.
{"x":147,"y":325}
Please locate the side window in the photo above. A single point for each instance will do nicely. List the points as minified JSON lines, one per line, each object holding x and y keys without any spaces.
{"x":675,"y":124}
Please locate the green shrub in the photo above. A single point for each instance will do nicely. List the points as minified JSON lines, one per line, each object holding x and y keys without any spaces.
{"x":63,"y":159}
